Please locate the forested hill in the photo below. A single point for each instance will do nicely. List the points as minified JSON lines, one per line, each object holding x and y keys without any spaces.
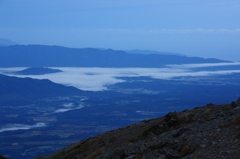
{"x":19,"y":91}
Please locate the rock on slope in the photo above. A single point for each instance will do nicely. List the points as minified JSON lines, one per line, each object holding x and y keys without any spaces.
{"x":205,"y":132}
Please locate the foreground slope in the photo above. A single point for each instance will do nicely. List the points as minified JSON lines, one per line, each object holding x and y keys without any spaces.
{"x":207,"y":132}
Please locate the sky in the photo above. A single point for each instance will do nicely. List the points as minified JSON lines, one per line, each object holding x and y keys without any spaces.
{"x":203,"y":28}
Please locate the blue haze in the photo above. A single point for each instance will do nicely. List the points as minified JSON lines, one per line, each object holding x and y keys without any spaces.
{"x":204,"y":28}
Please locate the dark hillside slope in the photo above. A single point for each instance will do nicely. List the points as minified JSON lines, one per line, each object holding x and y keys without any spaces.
{"x":56,"y":56}
{"x":15,"y":90}
{"x":204,"y":132}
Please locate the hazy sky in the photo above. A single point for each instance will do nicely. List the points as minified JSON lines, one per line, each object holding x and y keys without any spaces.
{"x":206,"y":28}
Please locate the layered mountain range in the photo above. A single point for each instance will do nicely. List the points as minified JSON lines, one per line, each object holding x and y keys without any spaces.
{"x":56,"y":56}
{"x":69,"y":114}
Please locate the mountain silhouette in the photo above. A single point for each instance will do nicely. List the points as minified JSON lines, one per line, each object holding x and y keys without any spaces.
{"x":6,"y":42}
{"x":57,"y":56}
{"x":37,"y":71}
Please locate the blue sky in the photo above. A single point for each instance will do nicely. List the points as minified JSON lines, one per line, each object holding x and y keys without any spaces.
{"x":205,"y":28}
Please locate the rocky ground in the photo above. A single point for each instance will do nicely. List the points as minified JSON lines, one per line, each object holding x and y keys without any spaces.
{"x":209,"y":132}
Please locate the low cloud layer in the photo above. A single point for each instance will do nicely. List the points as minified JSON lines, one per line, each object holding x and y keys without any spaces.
{"x":184,"y":66}
{"x":62,"y":110}
{"x":97,"y":79}
{"x":13,"y":127}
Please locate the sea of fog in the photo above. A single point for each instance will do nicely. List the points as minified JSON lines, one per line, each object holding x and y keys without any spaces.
{"x":97,"y":79}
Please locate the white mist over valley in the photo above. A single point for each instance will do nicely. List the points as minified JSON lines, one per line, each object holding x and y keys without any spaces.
{"x":97,"y":79}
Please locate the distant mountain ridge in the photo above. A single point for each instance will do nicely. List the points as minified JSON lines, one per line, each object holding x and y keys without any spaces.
{"x":57,"y":56}
{"x":6,"y":42}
